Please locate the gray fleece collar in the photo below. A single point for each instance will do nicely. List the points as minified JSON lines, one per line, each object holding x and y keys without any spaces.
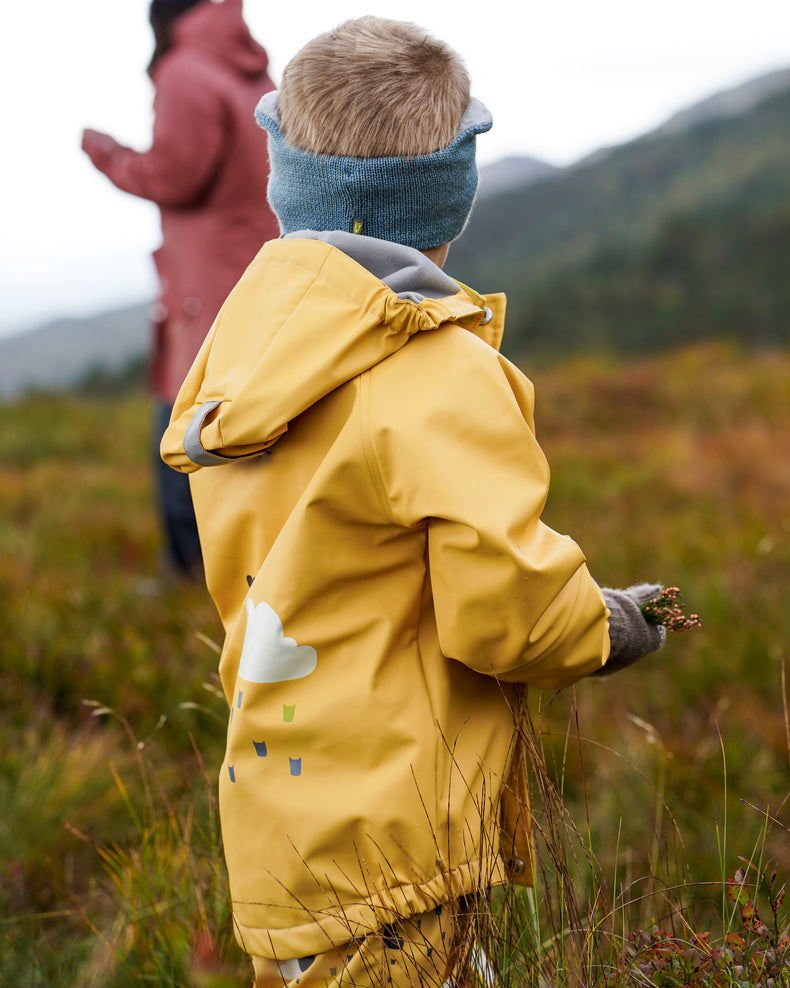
{"x":406,"y":271}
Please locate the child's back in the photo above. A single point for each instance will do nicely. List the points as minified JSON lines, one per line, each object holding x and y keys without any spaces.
{"x":373,"y":543}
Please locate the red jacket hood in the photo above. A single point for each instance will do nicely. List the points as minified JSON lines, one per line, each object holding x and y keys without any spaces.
{"x":217,"y":28}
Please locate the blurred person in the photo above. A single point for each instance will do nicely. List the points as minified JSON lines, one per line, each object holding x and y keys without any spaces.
{"x":207,"y":170}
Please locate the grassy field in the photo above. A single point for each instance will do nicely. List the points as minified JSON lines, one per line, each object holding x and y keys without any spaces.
{"x":652,"y":788}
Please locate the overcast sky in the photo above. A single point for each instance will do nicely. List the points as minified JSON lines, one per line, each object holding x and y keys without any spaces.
{"x":561,"y":77}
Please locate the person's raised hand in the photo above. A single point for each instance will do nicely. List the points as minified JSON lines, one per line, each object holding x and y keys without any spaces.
{"x":99,"y":147}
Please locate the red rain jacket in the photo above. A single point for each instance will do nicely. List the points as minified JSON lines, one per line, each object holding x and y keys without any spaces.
{"x":207,"y":170}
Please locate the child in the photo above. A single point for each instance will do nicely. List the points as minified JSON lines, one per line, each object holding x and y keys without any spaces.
{"x":372,"y":534}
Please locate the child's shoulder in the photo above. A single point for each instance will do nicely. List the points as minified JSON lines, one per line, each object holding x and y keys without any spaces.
{"x":449,"y":367}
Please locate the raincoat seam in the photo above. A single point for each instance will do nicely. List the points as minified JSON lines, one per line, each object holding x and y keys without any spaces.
{"x":369,"y":451}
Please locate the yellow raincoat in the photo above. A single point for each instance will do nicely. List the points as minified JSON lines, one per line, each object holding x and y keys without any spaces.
{"x":368,"y":489}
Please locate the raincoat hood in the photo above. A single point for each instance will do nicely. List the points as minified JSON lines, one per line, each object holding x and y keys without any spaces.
{"x":218,"y":30}
{"x":379,"y":294}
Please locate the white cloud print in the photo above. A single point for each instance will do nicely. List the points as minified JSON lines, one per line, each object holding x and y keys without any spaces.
{"x":267,"y":656}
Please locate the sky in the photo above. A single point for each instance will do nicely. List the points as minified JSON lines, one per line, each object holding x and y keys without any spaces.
{"x":562,"y":78}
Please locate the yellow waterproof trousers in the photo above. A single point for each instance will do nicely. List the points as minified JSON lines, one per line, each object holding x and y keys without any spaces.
{"x":426,"y":951}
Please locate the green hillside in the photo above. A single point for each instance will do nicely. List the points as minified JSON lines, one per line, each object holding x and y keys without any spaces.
{"x":670,"y":237}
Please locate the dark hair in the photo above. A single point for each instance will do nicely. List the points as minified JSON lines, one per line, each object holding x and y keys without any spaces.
{"x":162,"y":15}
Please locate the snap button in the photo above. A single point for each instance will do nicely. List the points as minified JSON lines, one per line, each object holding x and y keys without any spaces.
{"x":157,"y":312}
{"x":488,"y":315}
{"x":516,"y":867}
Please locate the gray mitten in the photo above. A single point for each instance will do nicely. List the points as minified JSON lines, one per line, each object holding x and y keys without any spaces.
{"x":631,"y":636}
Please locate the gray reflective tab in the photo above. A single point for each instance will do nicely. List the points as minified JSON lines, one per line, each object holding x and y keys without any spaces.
{"x":192,"y":444}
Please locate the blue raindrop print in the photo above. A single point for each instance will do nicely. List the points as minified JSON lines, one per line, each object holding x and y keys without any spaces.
{"x":296,"y":766}
{"x":260,"y":749}
{"x":392,"y":939}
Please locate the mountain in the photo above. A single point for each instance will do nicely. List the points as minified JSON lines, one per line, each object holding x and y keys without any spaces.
{"x":515,"y":172}
{"x":729,"y":102}
{"x":681,"y":234}
{"x":65,"y":353}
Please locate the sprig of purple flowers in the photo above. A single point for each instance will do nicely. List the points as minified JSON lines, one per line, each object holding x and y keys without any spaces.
{"x":666,"y":610}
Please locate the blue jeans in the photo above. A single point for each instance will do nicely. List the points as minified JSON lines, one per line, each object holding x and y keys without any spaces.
{"x":175,"y":508}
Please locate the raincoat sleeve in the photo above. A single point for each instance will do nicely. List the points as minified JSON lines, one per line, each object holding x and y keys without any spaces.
{"x":187,"y":145}
{"x":512,"y":598}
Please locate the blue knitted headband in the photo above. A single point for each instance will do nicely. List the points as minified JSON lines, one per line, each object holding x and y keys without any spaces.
{"x":422,"y":201}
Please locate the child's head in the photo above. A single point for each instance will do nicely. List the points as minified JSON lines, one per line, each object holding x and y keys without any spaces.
{"x":373,"y":132}
{"x":373,"y":88}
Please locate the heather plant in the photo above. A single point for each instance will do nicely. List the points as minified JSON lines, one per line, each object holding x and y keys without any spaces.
{"x":666,"y":610}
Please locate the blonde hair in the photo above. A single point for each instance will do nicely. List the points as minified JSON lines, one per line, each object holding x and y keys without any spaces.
{"x":373,"y":88}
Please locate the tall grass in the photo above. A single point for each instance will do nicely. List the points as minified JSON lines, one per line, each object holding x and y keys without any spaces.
{"x":660,"y":794}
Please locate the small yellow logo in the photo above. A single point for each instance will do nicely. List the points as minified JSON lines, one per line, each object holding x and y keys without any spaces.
{"x":356,"y":225}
